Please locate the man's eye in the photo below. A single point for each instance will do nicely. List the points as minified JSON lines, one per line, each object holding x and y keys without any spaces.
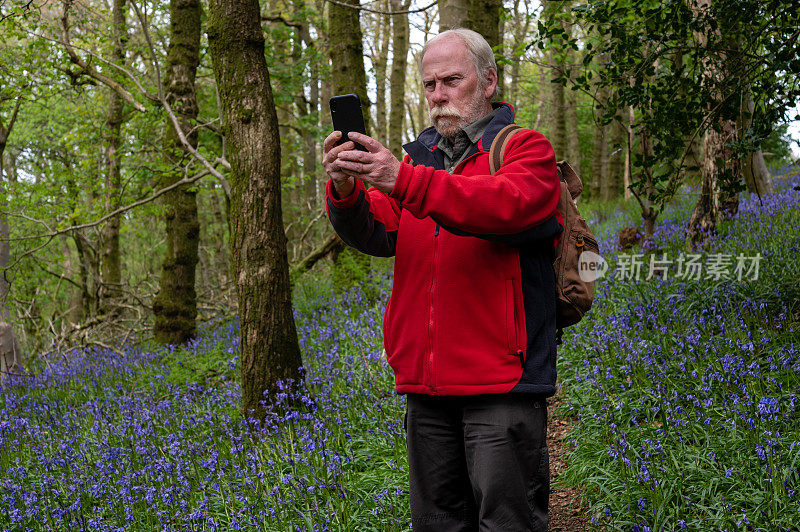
{"x":429,"y":85}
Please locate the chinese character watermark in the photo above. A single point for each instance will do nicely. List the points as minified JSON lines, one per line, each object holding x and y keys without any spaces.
{"x":689,"y":266}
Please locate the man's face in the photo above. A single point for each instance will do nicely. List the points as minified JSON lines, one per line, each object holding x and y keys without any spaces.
{"x":456,"y":97}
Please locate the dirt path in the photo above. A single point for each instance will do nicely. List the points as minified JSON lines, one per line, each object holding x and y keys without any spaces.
{"x":568,"y":511}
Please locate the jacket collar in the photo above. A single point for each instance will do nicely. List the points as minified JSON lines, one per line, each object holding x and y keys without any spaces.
{"x":424,"y":150}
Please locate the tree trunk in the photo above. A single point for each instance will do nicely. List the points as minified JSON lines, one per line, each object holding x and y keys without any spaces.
{"x":221,"y":264}
{"x":421,"y":109}
{"x":381,"y":60}
{"x":400,"y":33}
{"x":522,"y":23}
{"x":347,"y":54}
{"x":308,"y":108}
{"x":10,"y":352}
{"x":573,"y":141}
{"x":110,"y":261}
{"x":453,"y":14}
{"x":175,"y":305}
{"x":628,"y":174}
{"x":707,"y":210}
{"x":558,"y":118}
{"x":756,"y":174}
{"x":616,"y":160}
{"x":484,"y":17}
{"x":755,"y":171}
{"x":80,"y":300}
{"x":270,"y":353}
{"x":721,"y":166}
{"x":347,"y":67}
{"x":597,"y":181}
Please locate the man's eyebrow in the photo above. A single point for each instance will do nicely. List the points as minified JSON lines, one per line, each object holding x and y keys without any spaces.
{"x":455,"y":73}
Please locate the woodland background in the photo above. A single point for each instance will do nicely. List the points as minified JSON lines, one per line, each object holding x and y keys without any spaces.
{"x":160,"y":160}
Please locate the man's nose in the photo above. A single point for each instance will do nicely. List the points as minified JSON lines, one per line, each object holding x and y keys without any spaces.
{"x":438,"y":95}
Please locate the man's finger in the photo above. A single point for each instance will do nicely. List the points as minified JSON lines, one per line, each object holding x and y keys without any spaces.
{"x":368,"y":142}
{"x":330,"y":140}
{"x":354,"y":167}
{"x":352,"y":154}
{"x":334,"y":152}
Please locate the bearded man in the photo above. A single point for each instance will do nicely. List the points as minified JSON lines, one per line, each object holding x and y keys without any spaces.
{"x":470,"y":327}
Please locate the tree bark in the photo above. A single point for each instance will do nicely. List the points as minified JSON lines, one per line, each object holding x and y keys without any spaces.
{"x":706,"y":212}
{"x":484,"y":17}
{"x":453,"y":14}
{"x":400,"y":33}
{"x":175,"y":305}
{"x":347,"y":55}
{"x":110,"y":260}
{"x":270,"y":353}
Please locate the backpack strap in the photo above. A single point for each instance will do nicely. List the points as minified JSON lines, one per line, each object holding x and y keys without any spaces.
{"x":499,"y":146}
{"x":570,"y":177}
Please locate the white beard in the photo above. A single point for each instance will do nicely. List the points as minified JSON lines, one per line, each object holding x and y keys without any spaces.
{"x":448,"y":120}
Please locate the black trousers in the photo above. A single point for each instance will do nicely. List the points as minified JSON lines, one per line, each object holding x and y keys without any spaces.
{"x":478,"y":462}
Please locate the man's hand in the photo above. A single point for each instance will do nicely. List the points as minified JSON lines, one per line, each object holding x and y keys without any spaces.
{"x":342,"y":182}
{"x":377,"y":167}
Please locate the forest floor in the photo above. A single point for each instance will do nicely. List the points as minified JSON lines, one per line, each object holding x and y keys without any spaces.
{"x":568,"y":508}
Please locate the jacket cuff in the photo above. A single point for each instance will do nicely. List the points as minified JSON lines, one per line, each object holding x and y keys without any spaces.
{"x":346,"y":202}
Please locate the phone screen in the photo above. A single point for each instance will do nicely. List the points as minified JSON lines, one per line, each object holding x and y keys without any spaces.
{"x":346,"y":117}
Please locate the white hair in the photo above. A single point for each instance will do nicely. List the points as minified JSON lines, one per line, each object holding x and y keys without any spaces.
{"x":479,"y":50}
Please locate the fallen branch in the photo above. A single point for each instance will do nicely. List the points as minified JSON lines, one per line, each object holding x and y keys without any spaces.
{"x":330,"y":245}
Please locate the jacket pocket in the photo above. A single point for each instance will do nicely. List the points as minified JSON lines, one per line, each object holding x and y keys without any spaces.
{"x":511,"y":318}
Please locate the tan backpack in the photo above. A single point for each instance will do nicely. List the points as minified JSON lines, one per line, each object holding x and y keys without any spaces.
{"x":573,"y":295}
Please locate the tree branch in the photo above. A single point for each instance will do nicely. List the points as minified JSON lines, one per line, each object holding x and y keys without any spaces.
{"x":401,"y":12}
{"x":332,"y":243}
{"x":155,"y":195}
{"x":279,"y":18}
{"x":88,"y":69}
{"x":174,"y":119}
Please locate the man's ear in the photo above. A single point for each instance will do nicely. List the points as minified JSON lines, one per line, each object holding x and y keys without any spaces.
{"x":491,"y":83}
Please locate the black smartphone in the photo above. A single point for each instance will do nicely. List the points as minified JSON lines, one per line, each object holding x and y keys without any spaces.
{"x":346,"y":116}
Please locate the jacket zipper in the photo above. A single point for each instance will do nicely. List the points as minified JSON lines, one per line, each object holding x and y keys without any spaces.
{"x":431,"y":379}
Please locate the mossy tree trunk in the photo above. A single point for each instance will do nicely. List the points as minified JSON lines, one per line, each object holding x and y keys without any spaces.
{"x":453,"y":14}
{"x":347,"y":54}
{"x":400,"y":33}
{"x":269,"y":349}
{"x":348,"y":76}
{"x":484,"y":17}
{"x":110,"y":260}
{"x":175,"y":305}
